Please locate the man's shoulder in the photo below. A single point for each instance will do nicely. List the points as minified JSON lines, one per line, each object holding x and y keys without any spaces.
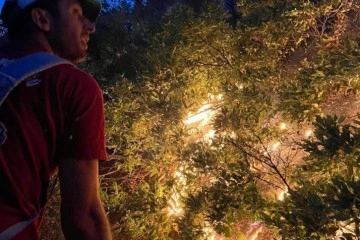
{"x":70,"y":72}
{"x":71,"y":77}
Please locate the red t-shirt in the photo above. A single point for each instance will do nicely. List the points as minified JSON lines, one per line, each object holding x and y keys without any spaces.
{"x":55,"y":114}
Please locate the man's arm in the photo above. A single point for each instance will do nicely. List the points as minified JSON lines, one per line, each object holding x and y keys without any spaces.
{"x":82,"y":215}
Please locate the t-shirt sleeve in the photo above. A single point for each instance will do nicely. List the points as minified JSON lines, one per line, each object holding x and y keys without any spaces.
{"x":84,"y":124}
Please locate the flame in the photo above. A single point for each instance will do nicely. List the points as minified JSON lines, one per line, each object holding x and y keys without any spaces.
{"x":209,"y":136}
{"x":275,"y":146}
{"x":282,"y":195}
{"x":255,"y":229}
{"x":203,"y":115}
{"x":174,"y":204}
{"x":180,"y":178}
{"x":271,"y":148}
{"x":209,"y":233}
{"x":175,"y":208}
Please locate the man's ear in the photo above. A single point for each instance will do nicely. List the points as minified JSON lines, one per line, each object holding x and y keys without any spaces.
{"x":41,"y":19}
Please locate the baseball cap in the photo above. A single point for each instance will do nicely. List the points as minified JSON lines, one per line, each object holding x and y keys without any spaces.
{"x":90,"y":8}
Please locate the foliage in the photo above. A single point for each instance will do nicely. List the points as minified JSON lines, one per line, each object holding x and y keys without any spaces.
{"x":168,"y":180}
{"x":326,"y":196}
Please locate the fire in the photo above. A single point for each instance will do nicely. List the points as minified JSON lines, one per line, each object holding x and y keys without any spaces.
{"x":275,"y":146}
{"x":203,"y":115}
{"x":282,"y":195}
{"x":254,"y":230}
{"x":175,"y":204}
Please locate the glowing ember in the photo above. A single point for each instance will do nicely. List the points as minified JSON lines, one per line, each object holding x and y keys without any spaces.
{"x":275,"y":146}
{"x":282,"y":126}
{"x":241,"y":86}
{"x":308,"y":133}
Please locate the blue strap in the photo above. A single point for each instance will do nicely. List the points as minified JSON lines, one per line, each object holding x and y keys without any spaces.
{"x":20,"y":69}
{"x":11,"y":74}
{"x":14,"y":72}
{"x":12,"y":231}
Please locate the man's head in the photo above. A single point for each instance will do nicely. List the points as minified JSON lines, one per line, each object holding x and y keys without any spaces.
{"x":66,"y":24}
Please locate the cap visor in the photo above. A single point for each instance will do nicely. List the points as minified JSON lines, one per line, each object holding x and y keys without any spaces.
{"x":91,"y":9}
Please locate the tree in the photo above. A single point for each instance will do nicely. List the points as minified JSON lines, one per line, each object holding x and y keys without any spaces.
{"x":253,"y":93}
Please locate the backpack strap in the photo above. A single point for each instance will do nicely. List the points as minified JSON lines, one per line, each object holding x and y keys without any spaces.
{"x":12,"y":231}
{"x":14,"y":72}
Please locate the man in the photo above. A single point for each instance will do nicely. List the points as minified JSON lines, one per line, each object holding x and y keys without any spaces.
{"x":53,"y":119}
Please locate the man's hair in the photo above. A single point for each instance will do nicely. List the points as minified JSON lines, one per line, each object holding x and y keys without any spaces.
{"x":19,"y":21}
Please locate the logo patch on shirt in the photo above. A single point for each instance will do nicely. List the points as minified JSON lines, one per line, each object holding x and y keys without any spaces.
{"x":3,"y":135}
{"x":33,"y":82}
